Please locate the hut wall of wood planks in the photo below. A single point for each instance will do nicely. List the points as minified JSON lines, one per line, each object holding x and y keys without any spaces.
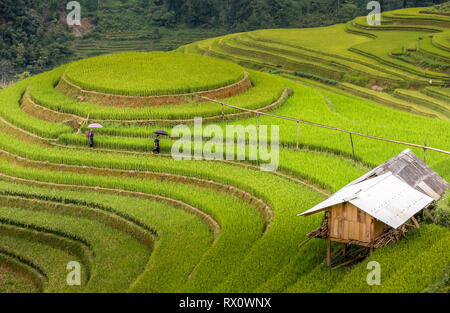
{"x":346,"y":222}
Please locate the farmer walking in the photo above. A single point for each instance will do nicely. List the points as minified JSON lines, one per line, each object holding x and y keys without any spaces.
{"x":91,"y":138}
{"x":90,"y":134}
{"x":157,"y":140}
{"x":156,"y":145}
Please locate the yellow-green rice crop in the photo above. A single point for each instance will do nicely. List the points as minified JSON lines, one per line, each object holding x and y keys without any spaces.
{"x":150,"y":74}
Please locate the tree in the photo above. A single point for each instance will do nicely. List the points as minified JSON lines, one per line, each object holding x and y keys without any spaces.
{"x":6,"y":69}
{"x":23,"y":75}
{"x":348,"y":10}
{"x":20,"y":54}
{"x":388,"y":5}
{"x":156,"y":34}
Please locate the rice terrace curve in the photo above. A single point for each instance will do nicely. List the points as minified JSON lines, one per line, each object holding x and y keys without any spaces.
{"x":138,"y":221}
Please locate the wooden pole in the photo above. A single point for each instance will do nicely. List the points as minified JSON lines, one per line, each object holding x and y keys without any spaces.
{"x":86,"y":121}
{"x":304,"y":242}
{"x":348,"y":262}
{"x":298,"y":134}
{"x":428,"y":214}
{"x":415,"y":221}
{"x":344,"y":249}
{"x":372,"y":235}
{"x":425,"y":153}
{"x":328,"y":251}
{"x":223,"y":114}
{"x":258,"y":121}
{"x":353,"y":148}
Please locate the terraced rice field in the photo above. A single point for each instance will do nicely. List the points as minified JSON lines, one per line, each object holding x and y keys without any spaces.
{"x":151,"y":74}
{"x":407,"y":51}
{"x":138,"y":222}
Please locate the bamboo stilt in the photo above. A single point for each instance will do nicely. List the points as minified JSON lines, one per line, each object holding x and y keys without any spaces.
{"x":328,"y":251}
{"x":416,"y":223}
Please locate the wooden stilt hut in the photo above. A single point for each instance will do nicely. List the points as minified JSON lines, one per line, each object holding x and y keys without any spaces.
{"x":373,"y":210}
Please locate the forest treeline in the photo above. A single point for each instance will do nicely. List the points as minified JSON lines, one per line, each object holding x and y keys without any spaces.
{"x":244,"y":15}
{"x":34,"y":36}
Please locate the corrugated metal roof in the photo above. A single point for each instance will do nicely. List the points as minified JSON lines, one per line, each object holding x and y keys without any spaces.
{"x":386,"y":197}
{"x":413,"y":171}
